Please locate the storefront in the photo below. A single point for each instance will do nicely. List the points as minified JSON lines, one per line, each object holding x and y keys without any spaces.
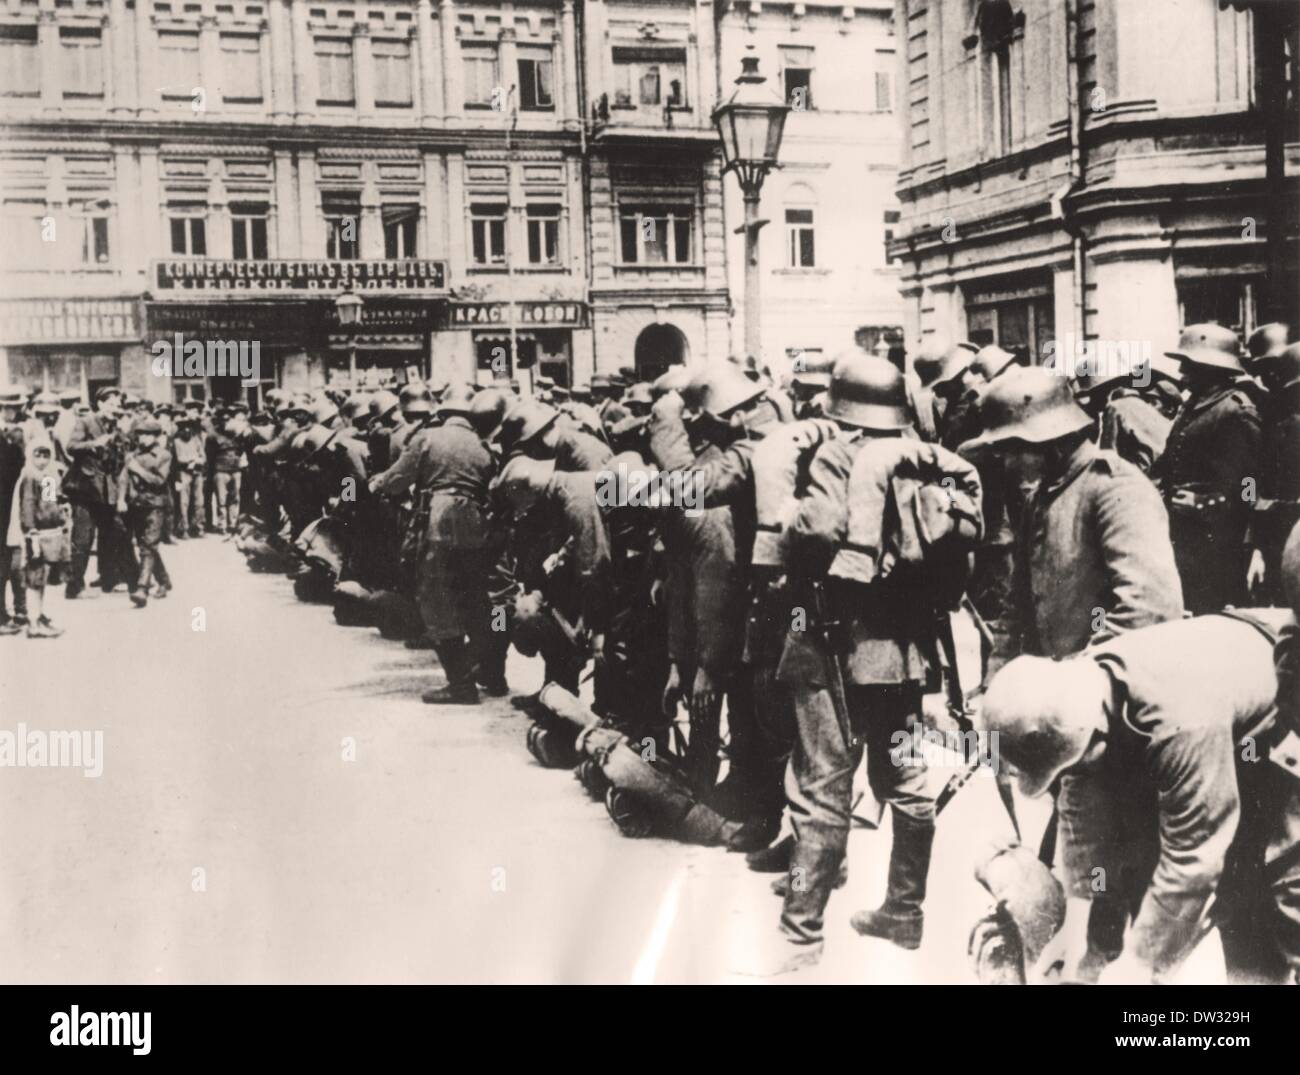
{"x":70,"y":344}
{"x":1017,"y":315}
{"x":542,"y":339}
{"x":288,"y":311}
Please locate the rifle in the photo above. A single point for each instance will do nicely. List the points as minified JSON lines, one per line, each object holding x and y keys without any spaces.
{"x":830,"y":630}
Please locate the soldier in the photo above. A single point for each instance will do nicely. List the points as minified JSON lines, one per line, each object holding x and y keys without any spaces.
{"x":1278,"y":508}
{"x":452,"y":471}
{"x":956,"y":395}
{"x":859,"y":683}
{"x":226,"y":457}
{"x":1170,"y":728}
{"x":143,"y":497}
{"x":1091,"y":560}
{"x":810,"y":377}
{"x":1210,"y":470}
{"x":1133,"y":408}
{"x":97,"y":452}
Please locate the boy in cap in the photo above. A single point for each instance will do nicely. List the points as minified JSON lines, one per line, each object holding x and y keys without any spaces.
{"x":41,"y":517}
{"x":143,"y":496}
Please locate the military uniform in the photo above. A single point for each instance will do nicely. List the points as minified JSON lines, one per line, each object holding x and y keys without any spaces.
{"x":1213,"y":447}
{"x":1184,"y":802}
{"x":1134,"y":429}
{"x":1278,"y":508}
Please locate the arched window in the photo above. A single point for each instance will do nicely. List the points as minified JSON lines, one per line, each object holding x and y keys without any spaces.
{"x":800,"y":228}
{"x":995,"y":28}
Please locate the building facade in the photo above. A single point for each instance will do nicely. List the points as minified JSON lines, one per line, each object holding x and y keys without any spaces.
{"x":826,"y":275}
{"x":1091,"y":167}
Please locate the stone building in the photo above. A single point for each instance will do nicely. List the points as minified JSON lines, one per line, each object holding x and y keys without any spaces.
{"x":826,"y":276}
{"x":1090,"y":167}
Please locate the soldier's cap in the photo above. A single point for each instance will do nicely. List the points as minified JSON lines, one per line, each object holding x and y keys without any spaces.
{"x":1266,"y":342}
{"x":107,"y":392}
{"x":70,"y":395}
{"x":1210,"y":346}
{"x":46,"y":402}
{"x":11,"y":395}
{"x":1045,"y":714}
{"x":1032,"y":404}
{"x":149,"y":425}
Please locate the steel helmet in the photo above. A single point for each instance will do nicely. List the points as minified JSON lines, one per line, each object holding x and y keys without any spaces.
{"x":1284,"y":370}
{"x":812,"y":370}
{"x":1044,"y":714}
{"x":316,"y":438}
{"x":1266,"y":342}
{"x":723,"y":387}
{"x":991,"y":361}
{"x":1031,"y":405}
{"x":416,"y":400}
{"x":355,"y":406}
{"x":382,"y":404}
{"x":673,"y":379}
{"x":957,"y":359}
{"x":868,"y":392}
{"x":928,"y":362}
{"x":46,"y":403}
{"x":457,"y":398}
{"x":324,"y":409}
{"x":525,"y":420}
{"x":639,"y":395}
{"x":487,"y":410}
{"x":1210,"y":346}
{"x":522,"y":481}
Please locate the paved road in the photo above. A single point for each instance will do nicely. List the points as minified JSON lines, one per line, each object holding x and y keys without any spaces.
{"x":342,"y":831}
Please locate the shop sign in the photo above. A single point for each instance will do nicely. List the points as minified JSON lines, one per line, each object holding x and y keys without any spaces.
{"x":69,"y":321}
{"x":546,"y":314}
{"x":214,"y":274}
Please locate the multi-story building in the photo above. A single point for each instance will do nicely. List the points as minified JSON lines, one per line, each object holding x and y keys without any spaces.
{"x":1092,"y":167}
{"x":826,"y":277}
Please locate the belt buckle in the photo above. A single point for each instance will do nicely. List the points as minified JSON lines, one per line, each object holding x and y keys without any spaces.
{"x":1183,"y":498}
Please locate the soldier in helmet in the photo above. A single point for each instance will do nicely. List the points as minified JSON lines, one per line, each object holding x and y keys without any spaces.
{"x":859,"y":666}
{"x":1277,"y":509}
{"x":1092,"y":558}
{"x":810,"y":377}
{"x":1168,"y":731}
{"x":956,"y":394}
{"x":1133,"y":408}
{"x":1210,"y":471}
{"x":452,"y":471}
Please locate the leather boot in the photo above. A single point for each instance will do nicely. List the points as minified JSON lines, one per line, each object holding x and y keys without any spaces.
{"x":773,"y":859}
{"x":899,"y":919}
{"x":800,"y":942}
{"x":458,"y":667}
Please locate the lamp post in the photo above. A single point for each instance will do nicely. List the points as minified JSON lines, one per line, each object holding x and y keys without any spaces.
{"x":750,"y":123}
{"x":348,"y":305}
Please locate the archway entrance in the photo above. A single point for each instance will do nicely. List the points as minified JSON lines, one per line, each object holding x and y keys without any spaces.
{"x":657,"y":348}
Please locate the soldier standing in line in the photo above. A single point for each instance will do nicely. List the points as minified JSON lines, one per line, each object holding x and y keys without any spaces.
{"x":452,"y":471}
{"x":1210,"y":471}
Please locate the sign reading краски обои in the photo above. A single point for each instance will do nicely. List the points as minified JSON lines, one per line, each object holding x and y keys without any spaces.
{"x":213,"y":274}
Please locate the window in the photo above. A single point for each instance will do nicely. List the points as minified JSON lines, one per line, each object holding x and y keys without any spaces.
{"x":796,"y":76}
{"x":481,"y":77}
{"x":535,"y":79}
{"x":799,"y":238}
{"x":657,"y":235}
{"x":1002,"y":99}
{"x":334,"y":67}
{"x":83,"y":65}
{"x":543,"y":235}
{"x":997,"y":29}
{"x":651,"y":78}
{"x":90,"y":226}
{"x":248,"y":232}
{"x":178,"y":61}
{"x":885,"y":86}
{"x":19,"y":67}
{"x":392,"y":73}
{"x":189,"y":236}
{"x":488,"y":233}
{"x":400,"y":223}
{"x":342,"y":227}
{"x":891,"y":222}
{"x":241,"y":59}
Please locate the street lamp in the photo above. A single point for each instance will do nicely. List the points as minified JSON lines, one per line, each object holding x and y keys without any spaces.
{"x":348,"y":306}
{"x":750,"y":123}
